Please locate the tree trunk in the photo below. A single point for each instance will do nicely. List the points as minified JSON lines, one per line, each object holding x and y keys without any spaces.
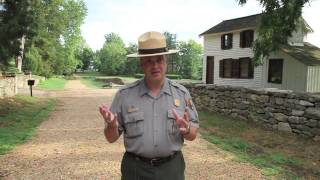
{"x":19,"y":57}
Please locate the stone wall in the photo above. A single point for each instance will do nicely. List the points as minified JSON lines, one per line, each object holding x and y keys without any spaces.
{"x":287,"y":111}
{"x":22,"y":80}
{"x":9,"y":86}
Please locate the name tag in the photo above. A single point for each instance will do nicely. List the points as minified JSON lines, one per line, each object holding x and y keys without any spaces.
{"x":133,"y":109}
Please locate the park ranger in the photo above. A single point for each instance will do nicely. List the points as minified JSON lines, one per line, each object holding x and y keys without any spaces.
{"x":154,"y":114}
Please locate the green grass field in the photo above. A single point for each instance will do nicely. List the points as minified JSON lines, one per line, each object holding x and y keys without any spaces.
{"x":19,"y":118}
{"x":52,"y":84}
{"x":242,"y":139}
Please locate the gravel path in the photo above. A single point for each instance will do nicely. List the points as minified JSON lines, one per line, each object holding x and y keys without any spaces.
{"x":71,"y":145}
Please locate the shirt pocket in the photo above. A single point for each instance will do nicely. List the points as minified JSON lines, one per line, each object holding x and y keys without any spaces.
{"x":134,"y":124}
{"x":172,"y":126}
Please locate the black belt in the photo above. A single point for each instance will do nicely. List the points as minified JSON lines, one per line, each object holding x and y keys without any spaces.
{"x":153,"y":161}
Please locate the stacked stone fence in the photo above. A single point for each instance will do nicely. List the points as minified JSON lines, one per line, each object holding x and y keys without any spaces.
{"x":9,"y":85}
{"x":288,"y":111}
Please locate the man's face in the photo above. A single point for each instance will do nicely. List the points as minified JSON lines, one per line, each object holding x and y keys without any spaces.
{"x":154,"y":67}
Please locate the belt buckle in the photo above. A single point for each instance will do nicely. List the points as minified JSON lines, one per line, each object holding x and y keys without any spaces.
{"x":153,"y":161}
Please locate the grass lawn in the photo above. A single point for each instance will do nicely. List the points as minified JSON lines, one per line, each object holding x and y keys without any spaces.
{"x":52,"y":84}
{"x":92,"y":83}
{"x":278,"y":155}
{"x":19,"y":118}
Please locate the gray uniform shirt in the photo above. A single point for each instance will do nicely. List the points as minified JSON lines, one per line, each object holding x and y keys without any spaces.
{"x":147,"y":122}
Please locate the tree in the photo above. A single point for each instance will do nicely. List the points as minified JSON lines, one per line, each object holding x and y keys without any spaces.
{"x":278,"y":21}
{"x":58,"y":36}
{"x":188,"y":63}
{"x":112,"y":55}
{"x":171,"y":40}
{"x":132,"y":65}
{"x":17,"y":21}
{"x":86,"y":56}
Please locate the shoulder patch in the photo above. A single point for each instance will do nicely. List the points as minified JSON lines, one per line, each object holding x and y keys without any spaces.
{"x":131,"y":85}
{"x":179,"y":86}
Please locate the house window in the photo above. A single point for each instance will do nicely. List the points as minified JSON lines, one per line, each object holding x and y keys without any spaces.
{"x":246,"y":38}
{"x":226,"y":41}
{"x":246,"y":68}
{"x":227,"y":68}
{"x":236,"y":68}
{"x":275,"y":71}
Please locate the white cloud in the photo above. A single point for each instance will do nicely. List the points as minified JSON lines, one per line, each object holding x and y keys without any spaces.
{"x":186,"y":18}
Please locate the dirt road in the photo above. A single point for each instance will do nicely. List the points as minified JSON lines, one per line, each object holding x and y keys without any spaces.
{"x":71,"y":145}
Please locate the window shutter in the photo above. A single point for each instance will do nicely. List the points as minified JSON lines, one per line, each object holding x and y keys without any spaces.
{"x":251,"y":38}
{"x":241,"y":39}
{"x":235,"y":68}
{"x":251,"y":69}
{"x":221,"y":68}
{"x":222,"y":41}
{"x":230,"y":41}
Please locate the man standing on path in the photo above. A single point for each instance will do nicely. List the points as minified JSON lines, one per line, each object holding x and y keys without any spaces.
{"x":155,"y":115}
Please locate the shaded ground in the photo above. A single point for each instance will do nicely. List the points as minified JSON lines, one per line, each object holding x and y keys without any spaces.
{"x":71,"y":145}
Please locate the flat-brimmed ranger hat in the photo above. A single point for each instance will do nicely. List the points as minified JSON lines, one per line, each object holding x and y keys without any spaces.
{"x":152,"y":44}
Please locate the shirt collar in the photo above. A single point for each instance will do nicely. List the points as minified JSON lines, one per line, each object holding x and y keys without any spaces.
{"x":143,"y":89}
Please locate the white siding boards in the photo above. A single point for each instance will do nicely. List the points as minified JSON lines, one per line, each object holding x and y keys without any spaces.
{"x":294,"y":74}
{"x":295,"y":67}
{"x":212,"y":47}
{"x":313,"y":80}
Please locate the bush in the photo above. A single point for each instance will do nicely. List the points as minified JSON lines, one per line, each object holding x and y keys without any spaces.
{"x":173,"y":76}
{"x":138,"y":76}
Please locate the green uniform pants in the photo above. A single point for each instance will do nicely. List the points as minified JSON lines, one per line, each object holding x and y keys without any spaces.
{"x":135,"y":169}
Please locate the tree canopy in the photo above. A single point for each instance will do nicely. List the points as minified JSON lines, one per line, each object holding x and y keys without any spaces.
{"x":112,"y":55}
{"x":51,"y":30}
{"x":279,"y":19}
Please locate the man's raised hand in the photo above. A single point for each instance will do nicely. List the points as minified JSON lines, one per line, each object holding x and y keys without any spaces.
{"x":108,"y":116}
{"x":183,"y":123}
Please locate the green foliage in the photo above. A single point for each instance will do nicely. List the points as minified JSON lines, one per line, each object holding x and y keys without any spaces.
{"x":19,"y":118}
{"x":279,"y":19}
{"x":139,"y":76}
{"x":113,"y":55}
{"x":132,"y":65}
{"x":173,"y":76}
{"x":86,"y":57}
{"x":52,"y":84}
{"x":17,"y":19}
{"x":171,"y":40}
{"x":51,"y":30}
{"x":189,"y":61}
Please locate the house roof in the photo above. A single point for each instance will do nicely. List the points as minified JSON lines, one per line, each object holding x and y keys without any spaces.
{"x":307,"y":54}
{"x":234,"y":24}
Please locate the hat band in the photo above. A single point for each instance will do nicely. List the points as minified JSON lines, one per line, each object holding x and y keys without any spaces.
{"x":153,"y":51}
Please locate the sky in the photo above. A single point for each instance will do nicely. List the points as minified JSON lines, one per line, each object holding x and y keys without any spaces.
{"x":186,"y":18}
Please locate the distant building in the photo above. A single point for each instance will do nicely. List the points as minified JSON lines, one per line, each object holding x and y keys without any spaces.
{"x":227,"y":58}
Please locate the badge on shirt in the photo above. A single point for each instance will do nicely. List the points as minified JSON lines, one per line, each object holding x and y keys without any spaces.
{"x":133,"y":109}
{"x":190,"y":103}
{"x":177,"y":102}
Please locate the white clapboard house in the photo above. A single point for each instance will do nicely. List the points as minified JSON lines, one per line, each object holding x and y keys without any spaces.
{"x":228,"y":53}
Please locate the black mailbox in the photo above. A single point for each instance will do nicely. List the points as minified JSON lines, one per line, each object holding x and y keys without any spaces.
{"x":31,"y":82}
